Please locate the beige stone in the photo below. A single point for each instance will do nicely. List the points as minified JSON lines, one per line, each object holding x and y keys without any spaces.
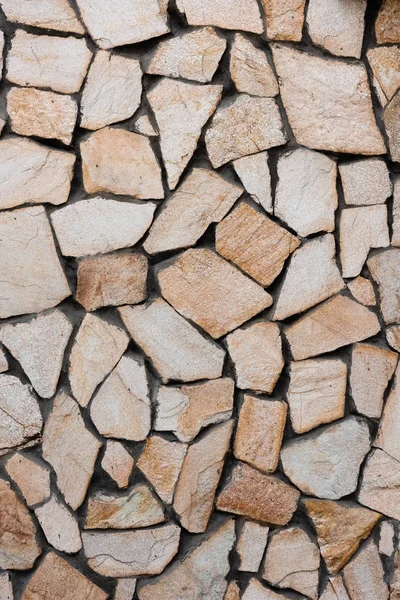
{"x":386,"y":538}
{"x":393,"y":337}
{"x":335,"y":323}
{"x":199,"y":478}
{"x":387,"y":25}
{"x":395,"y":241}
{"x":46,"y":14}
{"x":365,"y":181}
{"x":161,"y":462}
{"x":194,"y":55}
{"x":391,"y":122}
{"x":144,"y":126}
{"x":39,"y":346}
{"x":326,"y":463}
{"x":292,"y":561}
{"x":362,"y":290}
{"x":6,"y":589}
{"x":157,"y":328}
{"x":254,"y":242}
{"x":335,"y":589}
{"x":284,"y":19}
{"x":131,"y":553}
{"x":58,"y":63}
{"x":120,"y":162}
{"x":256,"y":591}
{"x":380,"y":484}
{"x":112,"y":90}
{"x":257,"y":496}
{"x":389,"y":429}
{"x":121,"y":406}
{"x":256,"y":352}
{"x":117,"y":463}
{"x":232,"y":591}
{"x":202,"y":199}
{"x":251,"y":546}
{"x":312,"y":276}
{"x":56,"y":578}
{"x":18,"y":546}
{"x":250,"y":70}
{"x":59,"y":526}
{"x":185,"y":410}
{"x":253,"y":171}
{"x":31,"y":276}
{"x":328,"y":103}
{"x":125,"y":589}
{"x":3,"y":361}
{"x":364,"y":575}
{"x":211,"y":292}
{"x":385,"y":65}
{"x":316,"y":392}
{"x":306,"y":197}
{"x":371,"y":370}
{"x":385,"y":270}
{"x":259,"y":432}
{"x":200,"y":574}
{"x":243,"y":125}
{"x":340,"y":527}
{"x":395,"y":582}
{"x":181,"y":110}
{"x":31,"y":477}
{"x":70,"y":449}
{"x":227,"y":14}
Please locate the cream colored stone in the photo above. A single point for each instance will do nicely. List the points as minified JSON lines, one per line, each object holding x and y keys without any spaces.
{"x":6,"y":589}
{"x":250,"y":70}
{"x":386,"y":538}
{"x":232,"y":591}
{"x":131,"y":553}
{"x":39,"y":346}
{"x":364,"y":575}
{"x":243,"y":125}
{"x":312,"y":276}
{"x":380,"y":484}
{"x":339,"y":27}
{"x":254,"y":242}
{"x":187,"y":409}
{"x":292,"y":561}
{"x":395,"y":241}
{"x":251,"y":546}
{"x":199,"y":478}
{"x":335,"y":323}
{"x":31,"y":276}
{"x":259,"y":432}
{"x":181,"y":110}
{"x":389,"y":428}
{"x":385,"y":65}
{"x":227,"y":14}
{"x":120,"y":162}
{"x":58,"y":63}
{"x":256,"y":352}
{"x":31,"y":477}
{"x":256,"y":591}
{"x":200,"y":574}
{"x":18,"y":546}
{"x":395,"y":581}
{"x":70,"y":449}
{"x":365,"y":181}
{"x":117,"y":463}
{"x":112,"y":90}
{"x":328,"y":103}
{"x":59,"y":526}
{"x":144,"y":126}
{"x":326,"y":463}
{"x":194,"y":55}
{"x":3,"y":361}
{"x":392,"y":126}
{"x":316,"y":392}
{"x":202,"y":199}
{"x":157,"y":328}
{"x":284,"y":19}
{"x":385,"y":270}
{"x":125,"y":589}
{"x":393,"y":337}
{"x":47,"y":14}
{"x":335,"y":589}
{"x":254,"y":174}
{"x":257,"y":496}
{"x":362,"y":290}
{"x":387,"y":25}
{"x":211,"y":292}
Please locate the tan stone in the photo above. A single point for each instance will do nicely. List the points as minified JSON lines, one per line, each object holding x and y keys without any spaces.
{"x":340,"y":527}
{"x":292,"y":561}
{"x":316,"y":392}
{"x":232,"y":591}
{"x":317,"y":92}
{"x":253,"y":171}
{"x":31,"y":477}
{"x":185,"y":410}
{"x":393,"y":337}
{"x":362,"y":290}
{"x":395,"y":582}
{"x":199,"y":478}
{"x":259,"y":432}
{"x":385,"y":270}
{"x":254,"y":242}
{"x":388,"y":433}
{"x":243,"y":125}
{"x":365,"y":181}
{"x":312,"y":276}
{"x":395,"y":241}
{"x":250,"y":70}
{"x":335,"y":323}
{"x":59,"y":526}
{"x":144,"y":126}
{"x":251,"y":546}
{"x":227,"y":14}
{"x":70,"y":449}
{"x":387,"y":25}
{"x":118,"y":463}
{"x":391,"y":122}
{"x":256,"y":352}
{"x":125,"y":589}
{"x":3,"y":361}
{"x":56,"y":578}
{"x":380,"y":484}
{"x":257,"y":496}
{"x":256,"y":591}
{"x":18,"y":546}
{"x":131,"y":553}
{"x":194,"y":55}
{"x":335,"y":589}
{"x":211,"y":292}
{"x":386,"y":538}
{"x":6,"y":589}
{"x":202,"y":199}
{"x":284,"y":19}
{"x":31,"y":276}
{"x":47,"y":14}
{"x":181,"y":110}
{"x":364,"y":575}
{"x":157,"y":328}
{"x":58,"y":63}
{"x":306,"y":197}
{"x":385,"y":65}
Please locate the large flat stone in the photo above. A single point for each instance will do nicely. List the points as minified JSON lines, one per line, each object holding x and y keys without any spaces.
{"x":227,"y":14}
{"x":46,"y":14}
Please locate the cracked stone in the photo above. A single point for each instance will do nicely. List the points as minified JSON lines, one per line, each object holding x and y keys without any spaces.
{"x":227,"y":14}
{"x":32,"y":479}
{"x":181,"y":110}
{"x":199,"y":478}
{"x":391,"y":121}
{"x":387,"y":25}
{"x":364,"y":575}
{"x":251,"y":546}
{"x":335,"y":589}
{"x":385,"y":270}
{"x":118,"y":463}
{"x":284,"y":19}
{"x":59,"y":526}
{"x":362,"y":290}
{"x":385,"y":65}
{"x":125,"y":589}
{"x":250,"y":70}
{"x":387,"y":538}
{"x":380,"y":484}
{"x":389,"y":428}
{"x":210,"y":291}
{"x":6,"y":589}
{"x":47,"y":14}
{"x":253,"y":172}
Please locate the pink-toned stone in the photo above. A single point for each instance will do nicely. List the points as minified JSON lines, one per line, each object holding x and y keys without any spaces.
{"x":335,"y":589}
{"x":387,"y":25}
{"x":393,"y":337}
{"x":31,"y":477}
{"x":284,"y":19}
{"x":362,"y":290}
{"x":380,"y":484}
{"x":385,"y":65}
{"x":253,"y":172}
{"x":47,"y":14}
{"x":232,"y":591}
{"x":125,"y":589}
{"x":118,"y":463}
{"x":59,"y":526}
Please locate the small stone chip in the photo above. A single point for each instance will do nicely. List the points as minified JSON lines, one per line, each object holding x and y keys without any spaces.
{"x":118,"y":463}
{"x":365,"y":182}
{"x":250,"y":70}
{"x":284,"y":19}
{"x":32,"y":478}
{"x":227,"y":14}
{"x":251,"y":546}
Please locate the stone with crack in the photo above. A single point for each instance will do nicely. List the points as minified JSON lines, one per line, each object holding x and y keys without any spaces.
{"x":365,"y":182}
{"x":385,"y":270}
{"x":284,"y":19}
{"x":30,"y":476}
{"x":385,"y":65}
{"x":387,"y":24}
{"x":59,"y":526}
{"x":250,"y":70}
{"x":380,"y":484}
{"x":362,"y":290}
{"x":364,"y":575}
{"x":335,"y":589}
{"x":227,"y":14}
{"x":253,"y":172}
{"x":57,"y":15}
{"x":118,"y":463}
{"x":251,"y":546}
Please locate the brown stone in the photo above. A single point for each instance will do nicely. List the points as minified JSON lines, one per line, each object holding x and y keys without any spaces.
{"x":284,"y":19}
{"x":380,"y":484}
{"x":118,"y":463}
{"x":385,"y":270}
{"x":387,"y":25}
{"x":232,"y":591}
{"x":362,"y":290}
{"x":250,"y":70}
{"x":364,"y":575}
{"x":32,"y":478}
{"x":385,"y":65}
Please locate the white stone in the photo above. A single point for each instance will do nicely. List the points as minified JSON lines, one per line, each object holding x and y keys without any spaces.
{"x":365,"y":181}
{"x":386,"y":538}
{"x":227,"y":14}
{"x":60,"y":526}
{"x":251,"y":546}
{"x":118,"y":463}
{"x":250,"y":70}
{"x":47,"y":14}
{"x":254,"y":174}
{"x":144,"y":126}
{"x":362,"y":290}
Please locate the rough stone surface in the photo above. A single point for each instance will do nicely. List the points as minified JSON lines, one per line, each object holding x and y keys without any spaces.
{"x":250,"y":69}
{"x":387,"y":26}
{"x":391,"y":120}
{"x":335,"y":589}
{"x":253,"y":171}
{"x":393,"y":337}
{"x":125,"y":589}
{"x":59,"y":526}
{"x":387,"y":538}
{"x":380,"y":484}
{"x":362,"y":290}
{"x":232,"y":591}
{"x":46,"y":14}
{"x":364,"y":575}
{"x":284,"y":19}
{"x":395,"y":583}
{"x":144,"y":126}
{"x":118,"y":463}
{"x":365,"y":181}
{"x":6,"y":589}
{"x":388,"y":432}
{"x":385,"y":270}
{"x":396,"y":213}
{"x":31,"y":477}
{"x":251,"y":546}
{"x":385,"y":65}
{"x":3,"y":361}
{"x":228,"y":14}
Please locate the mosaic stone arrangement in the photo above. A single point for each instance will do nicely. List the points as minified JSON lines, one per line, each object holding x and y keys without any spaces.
{"x":200,"y":300}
